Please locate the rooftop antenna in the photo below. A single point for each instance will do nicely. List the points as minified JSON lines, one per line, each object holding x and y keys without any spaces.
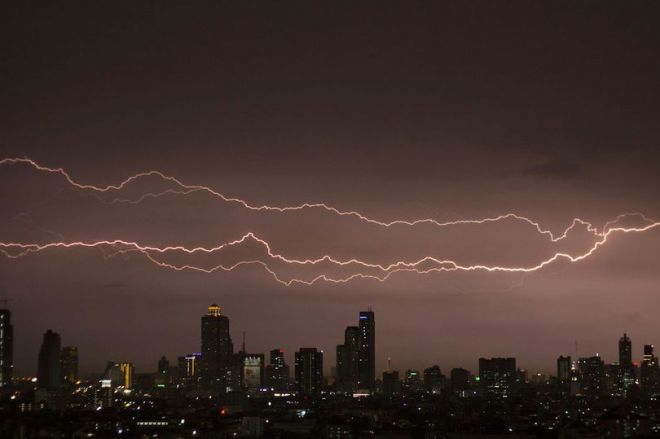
{"x":389,"y":364}
{"x":243,"y":346}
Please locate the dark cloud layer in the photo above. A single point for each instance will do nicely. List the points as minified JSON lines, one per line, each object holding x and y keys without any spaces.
{"x":557,"y":169}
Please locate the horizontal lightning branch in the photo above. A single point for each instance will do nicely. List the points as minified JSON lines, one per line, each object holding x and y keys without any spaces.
{"x":185,"y":189}
{"x":16,"y":250}
{"x":425,"y":265}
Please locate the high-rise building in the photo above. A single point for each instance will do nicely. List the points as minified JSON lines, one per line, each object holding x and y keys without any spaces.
{"x":163,"y":376}
{"x":277,"y":375}
{"x":347,"y":360}
{"x":391,"y":383}
{"x":367,"y":351}
{"x":189,"y":366}
{"x":252,"y":371}
{"x":625,"y":375}
{"x":49,"y":374}
{"x":564,"y":369}
{"x":625,"y":352}
{"x":434,"y":380}
{"x":592,"y":376}
{"x":497,"y":376}
{"x":119,"y":374}
{"x":340,"y":367}
{"x":460,"y":379}
{"x":309,"y":371}
{"x":69,"y":360}
{"x":163,"y":366}
{"x":649,"y":370}
{"x":217,"y":347}
{"x":412,"y":381}
{"x":352,"y":343}
{"x":6,"y":348}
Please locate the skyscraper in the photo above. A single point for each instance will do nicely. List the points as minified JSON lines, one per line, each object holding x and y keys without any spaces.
{"x":340,"y":367}
{"x":50,"y":368}
{"x":69,"y":360}
{"x":6,"y":348}
{"x":460,"y":379}
{"x":434,"y":380}
{"x":592,"y":375}
{"x":649,"y":370}
{"x":163,"y":376}
{"x":391,"y":383}
{"x":563,"y":369}
{"x":497,"y":375}
{"x":163,"y":366}
{"x":277,"y":375}
{"x":309,"y":371}
{"x":367,"y":351}
{"x":625,"y":375}
{"x":625,"y":352}
{"x":347,"y":360}
{"x":217,"y":347}
{"x":189,"y":366}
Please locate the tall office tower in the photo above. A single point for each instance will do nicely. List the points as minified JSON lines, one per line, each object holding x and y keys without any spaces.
{"x":340,"y":367}
{"x":347,"y":360}
{"x":163,"y":366}
{"x":367,"y":351}
{"x":649,"y":370}
{"x":50,"y":369}
{"x":217,"y":348}
{"x":412,"y":381}
{"x":163,"y":376}
{"x":352,"y":344}
{"x":434,"y":380}
{"x":497,"y":375}
{"x":460,"y":379}
{"x":6,"y":348}
{"x":69,"y":360}
{"x":391,"y":383}
{"x":592,"y":375}
{"x":563,"y":369}
{"x":190,"y":365}
{"x":309,"y":371}
{"x":625,"y":352}
{"x":277,"y":375}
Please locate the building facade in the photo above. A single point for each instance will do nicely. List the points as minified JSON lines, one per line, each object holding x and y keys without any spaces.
{"x":69,"y":359}
{"x":49,"y":371}
{"x":309,"y":371}
{"x":367,"y":351}
{"x":6,"y":348}
{"x":217,"y":348}
{"x":497,"y":376}
{"x":277,"y":372}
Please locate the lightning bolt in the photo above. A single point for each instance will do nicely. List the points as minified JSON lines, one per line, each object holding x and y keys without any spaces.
{"x":9,"y":250}
{"x":425,"y":265}
{"x":185,"y":189}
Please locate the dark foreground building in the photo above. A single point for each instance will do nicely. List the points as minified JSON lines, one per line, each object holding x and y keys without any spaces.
{"x":50,"y":369}
{"x":6,"y":348}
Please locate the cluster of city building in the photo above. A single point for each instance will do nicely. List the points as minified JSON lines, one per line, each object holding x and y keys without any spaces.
{"x":249,"y":398}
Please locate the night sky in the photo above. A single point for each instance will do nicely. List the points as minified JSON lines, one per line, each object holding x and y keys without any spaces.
{"x":398,"y":110}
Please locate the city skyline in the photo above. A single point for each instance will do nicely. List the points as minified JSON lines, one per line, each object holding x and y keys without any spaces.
{"x":290,"y":152}
{"x":216,"y":342}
